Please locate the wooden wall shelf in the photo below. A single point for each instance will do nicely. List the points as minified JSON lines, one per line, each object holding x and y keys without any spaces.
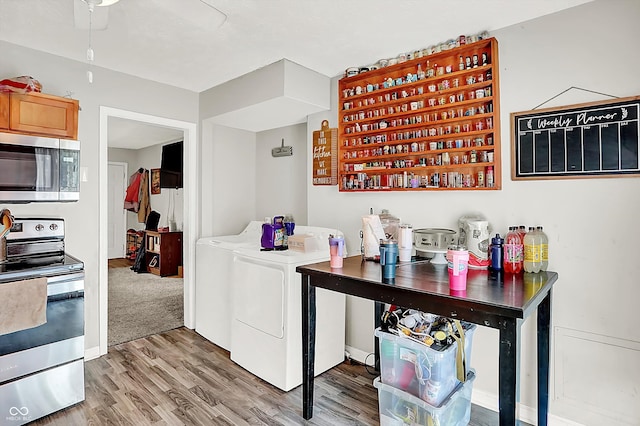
{"x":430,"y":123}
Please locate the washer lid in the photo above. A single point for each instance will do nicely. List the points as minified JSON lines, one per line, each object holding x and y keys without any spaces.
{"x":283,"y":256}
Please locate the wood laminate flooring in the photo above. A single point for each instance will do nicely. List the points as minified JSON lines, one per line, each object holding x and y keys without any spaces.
{"x":178,"y":377}
{"x":120,"y":263}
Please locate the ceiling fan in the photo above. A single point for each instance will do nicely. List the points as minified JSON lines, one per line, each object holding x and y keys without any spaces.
{"x":94,"y":14}
{"x":85,"y":14}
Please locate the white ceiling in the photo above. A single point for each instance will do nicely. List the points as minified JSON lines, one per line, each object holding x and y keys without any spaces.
{"x":176,"y":42}
{"x":132,"y":134}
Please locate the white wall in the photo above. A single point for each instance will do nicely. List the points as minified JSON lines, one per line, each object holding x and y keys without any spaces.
{"x":60,"y":76}
{"x":590,"y":222}
{"x":228,"y":173}
{"x":280,"y":181}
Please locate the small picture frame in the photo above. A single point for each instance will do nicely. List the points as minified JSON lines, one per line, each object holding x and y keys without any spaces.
{"x":155,"y":181}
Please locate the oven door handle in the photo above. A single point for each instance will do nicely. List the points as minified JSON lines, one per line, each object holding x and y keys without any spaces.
{"x":67,"y":283}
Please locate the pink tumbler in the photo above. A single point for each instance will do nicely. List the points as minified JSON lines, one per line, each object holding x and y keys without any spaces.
{"x":336,"y":250}
{"x":458,"y":262}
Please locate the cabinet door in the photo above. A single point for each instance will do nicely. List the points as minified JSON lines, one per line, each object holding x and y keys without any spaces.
{"x":44,"y":114}
{"x":4,"y":110}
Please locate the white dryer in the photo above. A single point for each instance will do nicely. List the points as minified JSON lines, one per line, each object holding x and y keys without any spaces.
{"x":214,"y":259}
{"x":266,"y":331}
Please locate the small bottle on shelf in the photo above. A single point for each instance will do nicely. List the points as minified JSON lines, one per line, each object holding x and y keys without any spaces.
{"x":420,"y":73}
{"x":490,"y":182}
{"x":461,"y":63}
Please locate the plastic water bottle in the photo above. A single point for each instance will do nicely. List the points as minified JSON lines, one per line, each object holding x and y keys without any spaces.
{"x":532,"y":260}
{"x":512,"y":252}
{"x":544,"y":248}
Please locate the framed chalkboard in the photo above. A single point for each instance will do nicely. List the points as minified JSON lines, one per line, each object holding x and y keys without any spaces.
{"x":596,"y":139}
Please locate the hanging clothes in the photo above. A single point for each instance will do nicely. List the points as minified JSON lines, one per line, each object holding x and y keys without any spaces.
{"x":132,"y":197}
{"x":137,"y":196}
{"x":145,"y":205}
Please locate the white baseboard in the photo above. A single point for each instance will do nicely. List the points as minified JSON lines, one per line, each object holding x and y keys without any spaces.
{"x":360,"y":356}
{"x":481,"y":398}
{"x":524,"y":413}
{"x":92,"y":353}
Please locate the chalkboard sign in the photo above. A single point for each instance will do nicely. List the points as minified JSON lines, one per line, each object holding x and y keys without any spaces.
{"x":583,"y":140}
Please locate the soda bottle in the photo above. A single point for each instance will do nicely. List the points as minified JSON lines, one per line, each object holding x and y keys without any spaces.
{"x":532,"y":260}
{"x":512,"y":252}
{"x":544,"y":248}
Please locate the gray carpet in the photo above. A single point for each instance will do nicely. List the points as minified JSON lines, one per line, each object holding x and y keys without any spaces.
{"x":142,"y":304}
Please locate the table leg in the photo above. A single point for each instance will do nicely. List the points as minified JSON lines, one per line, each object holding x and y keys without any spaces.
{"x":544,"y":357}
{"x":378,"y":310}
{"x":308,"y":344}
{"x":508,"y":374}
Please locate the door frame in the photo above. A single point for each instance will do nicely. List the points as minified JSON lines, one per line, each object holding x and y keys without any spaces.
{"x":124,"y":212}
{"x":190,"y":203}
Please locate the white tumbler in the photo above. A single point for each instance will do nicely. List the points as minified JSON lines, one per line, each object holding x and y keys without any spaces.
{"x":405,"y":242}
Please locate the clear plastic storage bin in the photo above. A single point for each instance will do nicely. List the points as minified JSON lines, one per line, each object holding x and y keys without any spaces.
{"x":398,"y":408}
{"x":416,"y":368}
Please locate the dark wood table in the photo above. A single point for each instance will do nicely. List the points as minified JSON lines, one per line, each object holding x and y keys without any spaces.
{"x":495,"y":300}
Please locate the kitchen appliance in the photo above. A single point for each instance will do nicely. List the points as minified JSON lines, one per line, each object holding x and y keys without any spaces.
{"x":38,"y":169}
{"x":42,"y":367}
{"x":214,"y":260}
{"x":267,"y":312}
{"x":434,"y":242}
{"x":474,"y":234}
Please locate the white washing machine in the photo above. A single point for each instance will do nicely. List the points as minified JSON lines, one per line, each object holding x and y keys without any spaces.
{"x":214,"y":259}
{"x":266,"y":331}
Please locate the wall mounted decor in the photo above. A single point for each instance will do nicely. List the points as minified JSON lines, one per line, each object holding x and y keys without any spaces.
{"x":595,"y":139}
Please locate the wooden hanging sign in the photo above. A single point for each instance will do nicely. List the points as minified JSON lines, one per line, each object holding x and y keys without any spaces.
{"x":596,"y":139}
{"x":325,"y":155}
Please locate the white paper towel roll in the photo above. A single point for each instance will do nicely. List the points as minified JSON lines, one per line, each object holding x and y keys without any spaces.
{"x":372,"y":233}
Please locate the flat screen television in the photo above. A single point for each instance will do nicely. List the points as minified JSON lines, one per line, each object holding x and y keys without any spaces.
{"x":171,"y":166}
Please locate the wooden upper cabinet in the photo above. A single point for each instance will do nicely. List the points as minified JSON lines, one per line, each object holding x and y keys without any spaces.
{"x":47,"y":115}
{"x":4,"y":111}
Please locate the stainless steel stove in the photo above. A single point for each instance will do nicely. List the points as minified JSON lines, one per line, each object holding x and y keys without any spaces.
{"x":42,"y":367}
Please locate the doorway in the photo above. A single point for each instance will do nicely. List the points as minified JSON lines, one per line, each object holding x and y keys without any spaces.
{"x":190,"y":199}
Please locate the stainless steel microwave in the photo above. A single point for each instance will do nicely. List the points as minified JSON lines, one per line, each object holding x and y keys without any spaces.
{"x":34,"y":168}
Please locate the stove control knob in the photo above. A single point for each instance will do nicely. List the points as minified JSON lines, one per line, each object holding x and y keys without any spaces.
{"x":39,"y":227}
{"x":53,"y":226}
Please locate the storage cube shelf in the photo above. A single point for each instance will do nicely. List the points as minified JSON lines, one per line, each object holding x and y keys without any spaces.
{"x":398,"y":408}
{"x":430,"y":123}
{"x":163,"y":252}
{"x":418,"y":369}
